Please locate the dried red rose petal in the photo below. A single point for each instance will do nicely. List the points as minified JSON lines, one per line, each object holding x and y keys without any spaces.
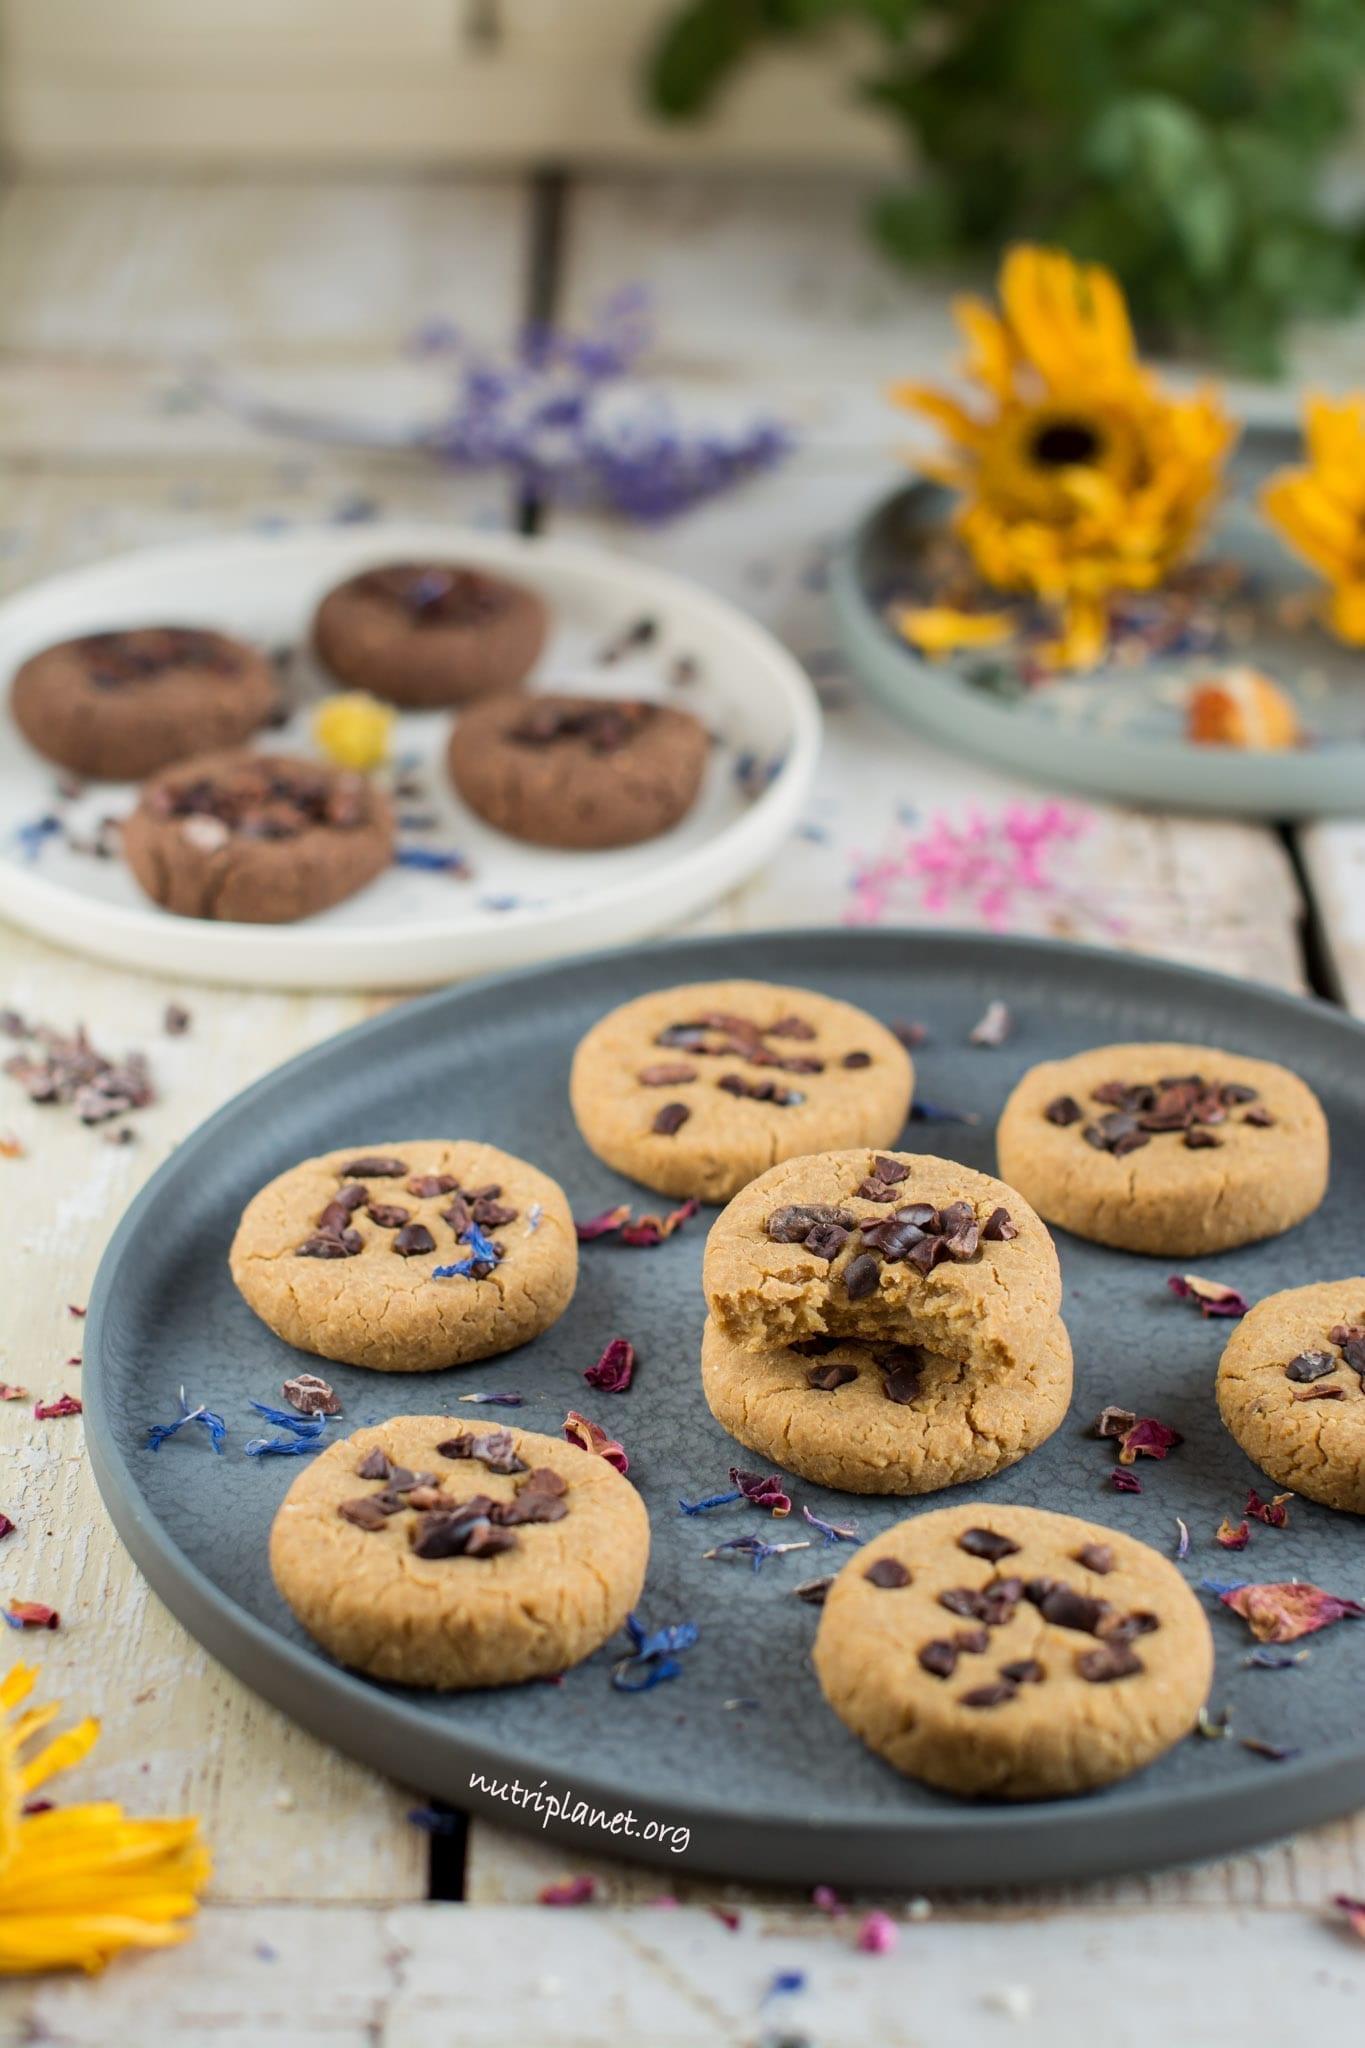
{"x":1281,"y":1612}
{"x":1148,"y":1438}
{"x":33,"y":1614}
{"x":1272,"y":1512}
{"x":571,"y":1891}
{"x":587,"y":1435}
{"x":7,"y":1527}
{"x":762,"y":1490}
{"x":1230,"y":1538}
{"x":1213,"y":1298}
{"x":615,"y":1369}
{"x":65,"y":1404}
{"x":1124,"y":1481}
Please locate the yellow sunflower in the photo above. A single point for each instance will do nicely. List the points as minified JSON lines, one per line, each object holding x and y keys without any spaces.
{"x":79,"y":1883}
{"x":1080,"y":476}
{"x":1321,"y":510}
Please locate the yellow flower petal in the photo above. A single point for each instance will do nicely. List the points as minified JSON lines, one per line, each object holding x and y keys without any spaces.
{"x":354,"y":730}
{"x":938,"y":629}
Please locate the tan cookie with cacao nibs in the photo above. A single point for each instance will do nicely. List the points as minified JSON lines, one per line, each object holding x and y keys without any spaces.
{"x":1176,"y":1150}
{"x":407,"y":1257}
{"x":885,"y":1418}
{"x":1291,"y":1389}
{"x":119,"y":706}
{"x":1008,"y":1653}
{"x":427,"y":1553}
{"x":430,"y":634}
{"x":698,"y":1090}
{"x":578,"y":772}
{"x":893,"y":1247}
{"x":257,"y":838}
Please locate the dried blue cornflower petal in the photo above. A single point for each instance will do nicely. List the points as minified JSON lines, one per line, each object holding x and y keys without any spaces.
{"x":431,"y":857}
{"x":432,"y":1821}
{"x":1275,"y":1660}
{"x":482,"y":1252}
{"x":306,"y":1432}
{"x":709,"y":1501}
{"x":754,"y":1547}
{"x":833,"y":1532}
{"x":653,"y":1658}
{"x":33,"y":836}
{"x":1182,"y":1547}
{"x":533,"y":1216}
{"x":495,"y":1400}
{"x":785,"y":1984}
{"x":214,"y":1424}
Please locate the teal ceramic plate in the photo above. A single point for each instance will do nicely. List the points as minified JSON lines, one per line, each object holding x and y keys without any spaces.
{"x":1119,"y":731}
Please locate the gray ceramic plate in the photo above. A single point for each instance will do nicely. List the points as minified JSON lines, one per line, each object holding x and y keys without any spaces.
{"x":740,"y":1750}
{"x":1120,"y":731}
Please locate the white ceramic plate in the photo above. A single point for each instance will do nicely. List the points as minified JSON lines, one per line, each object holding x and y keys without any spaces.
{"x":413,"y":928}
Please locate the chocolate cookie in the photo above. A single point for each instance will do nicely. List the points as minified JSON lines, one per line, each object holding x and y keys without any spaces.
{"x":256,"y":838}
{"x":1013,"y":1654}
{"x":428,"y":634}
{"x":578,"y":772}
{"x":408,"y":1257}
{"x":1168,"y":1149}
{"x":884,"y":1417}
{"x":429,"y":1554}
{"x":696,"y":1090}
{"x":118,"y":706}
{"x":1291,"y":1388}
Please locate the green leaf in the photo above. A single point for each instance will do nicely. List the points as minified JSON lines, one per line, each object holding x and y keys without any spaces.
{"x":699,"y":47}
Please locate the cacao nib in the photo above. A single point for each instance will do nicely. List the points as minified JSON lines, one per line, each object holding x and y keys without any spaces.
{"x":666,"y":1076}
{"x":939,"y":1657}
{"x":412,"y":1240}
{"x":857,"y":1059}
{"x":861,"y":1277}
{"x":887,"y":1572}
{"x":374,"y":1166}
{"x":825,"y":1378}
{"x":1109,"y":1661}
{"x":995,"y":1695}
{"x":671,"y":1119}
{"x":1064,"y":1109}
{"x":388,"y":1215}
{"x":986,"y":1543}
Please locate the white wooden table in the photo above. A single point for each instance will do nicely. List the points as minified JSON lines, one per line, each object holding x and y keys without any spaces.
{"x":321,"y":1928}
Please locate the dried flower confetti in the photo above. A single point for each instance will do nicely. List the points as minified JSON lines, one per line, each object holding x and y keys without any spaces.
{"x":311,"y":1395}
{"x":1212,"y":1298}
{"x":1123,"y":1481}
{"x":303,"y":1433}
{"x":569,"y":1891}
{"x":214,"y":1426}
{"x":1272,"y":1512}
{"x":762,"y":1490}
{"x":1147,"y":1438}
{"x":654,"y":1656}
{"x":495,"y":1400}
{"x":833,"y":1532}
{"x":615,"y":1369}
{"x":644,"y":1233}
{"x":1182,"y":1546}
{"x":993,"y":1028}
{"x":589,"y":1437}
{"x":1230,"y":1538}
{"x":1282,"y":1612}
{"x":825,"y":1899}
{"x":354,"y":730}
{"x":753,"y":1547}
{"x":878,"y":1934}
{"x":1270,"y":1750}
{"x":1354,"y":1909}
{"x":9,"y":1393}
{"x":998,"y":869}
{"x":1113,"y":1422}
{"x":31,"y":1614}
{"x":65,"y":1404}
{"x":67,"y":1068}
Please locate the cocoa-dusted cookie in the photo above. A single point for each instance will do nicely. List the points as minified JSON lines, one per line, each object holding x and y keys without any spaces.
{"x":117,"y":706}
{"x":894,"y":1247}
{"x":1008,"y":1653}
{"x":578,"y":772}
{"x":429,"y":1554}
{"x":696,"y":1090}
{"x":257,"y":838}
{"x":1291,"y":1388}
{"x":1169,"y":1149}
{"x":429,"y":634}
{"x":407,"y":1257}
{"x":884,"y":1417}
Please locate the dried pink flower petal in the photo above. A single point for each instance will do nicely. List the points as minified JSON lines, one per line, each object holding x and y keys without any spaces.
{"x":615,"y":1369}
{"x":578,"y":1430}
{"x":1230,"y":1538}
{"x":1213,"y":1297}
{"x":1283,"y":1611}
{"x":878,"y":1934}
{"x":1147,"y":1438}
{"x":1272,"y":1512}
{"x":570,"y":1891}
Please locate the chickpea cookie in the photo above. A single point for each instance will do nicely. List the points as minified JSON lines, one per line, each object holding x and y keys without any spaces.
{"x":697,"y":1090}
{"x":118,"y":706}
{"x":428,"y":1554}
{"x":883,"y":1247}
{"x":408,"y":1257}
{"x":1008,"y":1653}
{"x":578,"y":772}
{"x":885,"y":1418}
{"x":1168,"y":1149}
{"x":1291,"y":1389}
{"x":257,"y":838}
{"x":430,"y":634}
